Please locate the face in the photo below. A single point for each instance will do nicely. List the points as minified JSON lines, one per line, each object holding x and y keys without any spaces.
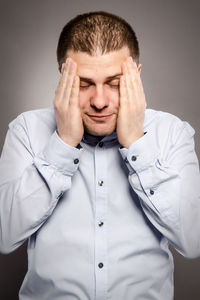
{"x":99,"y":89}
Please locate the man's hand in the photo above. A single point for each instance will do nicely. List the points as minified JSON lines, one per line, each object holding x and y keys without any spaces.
{"x":66,"y":104}
{"x":132,"y":105}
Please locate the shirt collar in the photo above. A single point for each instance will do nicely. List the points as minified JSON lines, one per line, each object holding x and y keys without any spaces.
{"x":94,"y":140}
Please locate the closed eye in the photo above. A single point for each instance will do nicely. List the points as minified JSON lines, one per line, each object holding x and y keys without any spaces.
{"x":114,"y":83}
{"x":85,"y":85}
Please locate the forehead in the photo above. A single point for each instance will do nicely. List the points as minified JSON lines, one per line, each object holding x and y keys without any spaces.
{"x":99,"y":66}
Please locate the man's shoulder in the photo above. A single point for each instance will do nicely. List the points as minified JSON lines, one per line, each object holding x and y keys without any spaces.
{"x":164,"y":123}
{"x":152,"y":115}
{"x":34,"y":127}
{"x":35,"y":119}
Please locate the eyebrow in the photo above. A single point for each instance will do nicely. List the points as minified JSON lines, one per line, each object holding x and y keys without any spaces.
{"x":109,"y":78}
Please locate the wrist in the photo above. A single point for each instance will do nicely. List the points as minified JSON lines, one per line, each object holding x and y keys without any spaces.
{"x":69,"y":141}
{"x":128,"y":142}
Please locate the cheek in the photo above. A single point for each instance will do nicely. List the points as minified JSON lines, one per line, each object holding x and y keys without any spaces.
{"x":113,"y":96}
{"x":84,"y":99}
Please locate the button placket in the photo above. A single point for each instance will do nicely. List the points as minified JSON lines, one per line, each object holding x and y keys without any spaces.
{"x":100,"y":222}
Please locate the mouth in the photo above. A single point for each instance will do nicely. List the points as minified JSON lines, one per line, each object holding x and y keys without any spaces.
{"x":100,"y":118}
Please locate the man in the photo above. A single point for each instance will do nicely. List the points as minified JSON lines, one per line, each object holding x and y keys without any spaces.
{"x":99,"y":185}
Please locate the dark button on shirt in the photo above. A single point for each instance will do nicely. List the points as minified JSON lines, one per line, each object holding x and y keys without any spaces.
{"x":76,"y":161}
{"x":101,"y":223}
{"x":151,"y":192}
{"x":100,"y":182}
{"x":100,"y":265}
{"x":134,"y":158}
{"x":101,"y":144}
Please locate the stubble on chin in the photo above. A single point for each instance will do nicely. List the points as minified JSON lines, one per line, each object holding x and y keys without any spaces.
{"x":99,"y":133}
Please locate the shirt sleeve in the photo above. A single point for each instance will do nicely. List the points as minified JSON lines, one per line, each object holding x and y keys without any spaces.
{"x":168,"y":186}
{"x":31,"y":185}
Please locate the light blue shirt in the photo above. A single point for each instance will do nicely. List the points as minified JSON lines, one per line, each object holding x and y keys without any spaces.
{"x":99,"y":218}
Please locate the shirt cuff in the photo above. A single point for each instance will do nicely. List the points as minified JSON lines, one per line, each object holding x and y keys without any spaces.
{"x":141,"y":154}
{"x":60,"y":155}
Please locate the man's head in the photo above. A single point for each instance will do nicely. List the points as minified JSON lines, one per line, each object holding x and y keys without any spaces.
{"x":99,"y":43}
{"x":96,"y":33}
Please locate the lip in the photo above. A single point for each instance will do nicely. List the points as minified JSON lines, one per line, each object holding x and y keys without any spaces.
{"x":100,"y":117}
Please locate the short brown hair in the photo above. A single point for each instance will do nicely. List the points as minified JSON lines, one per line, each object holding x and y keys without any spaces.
{"x":96,"y":31}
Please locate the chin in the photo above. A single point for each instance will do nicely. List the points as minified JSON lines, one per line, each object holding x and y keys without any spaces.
{"x":98,"y":130}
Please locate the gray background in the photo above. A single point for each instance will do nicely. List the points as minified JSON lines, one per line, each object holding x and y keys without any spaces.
{"x":168,"y":32}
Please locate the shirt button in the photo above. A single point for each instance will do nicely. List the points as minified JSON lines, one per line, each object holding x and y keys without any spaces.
{"x":100,"y":265}
{"x":101,"y":223}
{"x":126,"y":160}
{"x":101,"y":144}
{"x":100,"y":182}
{"x":133,"y":158}
{"x":151,"y":192}
{"x":76,"y":161}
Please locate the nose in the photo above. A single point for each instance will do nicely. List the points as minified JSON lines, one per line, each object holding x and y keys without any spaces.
{"x":99,"y":100}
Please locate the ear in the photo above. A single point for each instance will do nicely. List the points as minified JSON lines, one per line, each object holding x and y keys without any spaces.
{"x":139,"y":68}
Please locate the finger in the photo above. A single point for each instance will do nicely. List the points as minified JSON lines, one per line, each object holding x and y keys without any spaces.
{"x":69,"y":81}
{"x":62,"y":82}
{"x":74,"y":99}
{"x":132,"y":71}
{"x":138,"y":80}
{"x":140,"y":84}
{"x":62,"y":68}
{"x":64,"y":71}
{"x":128,"y":80}
{"x":145,"y":101}
{"x":123,"y":90}
{"x":134,"y":83}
